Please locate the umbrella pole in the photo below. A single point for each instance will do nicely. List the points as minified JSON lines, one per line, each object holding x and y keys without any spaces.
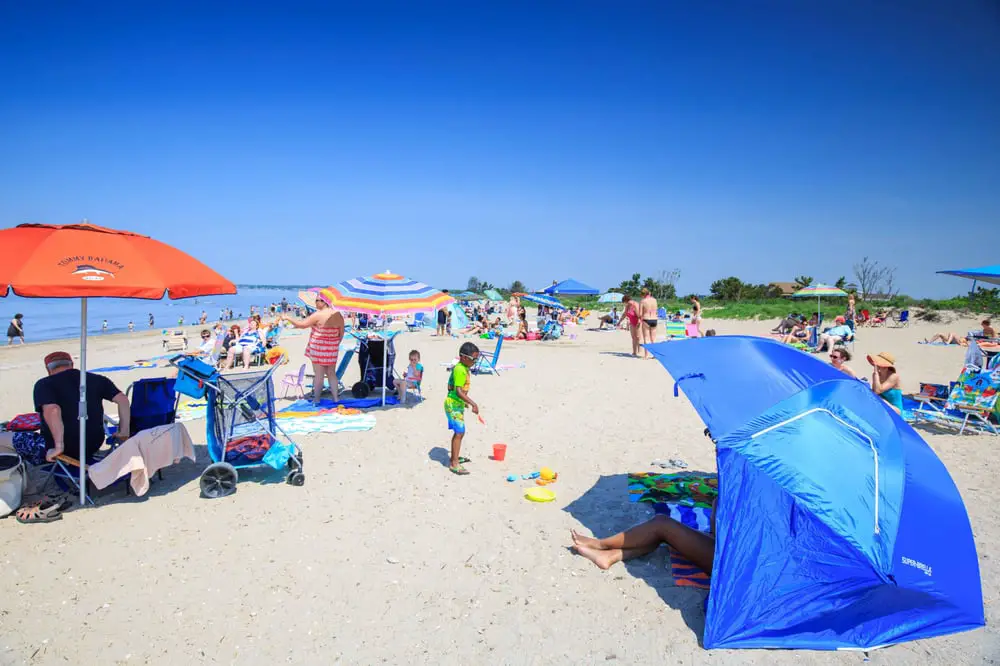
{"x":83,"y":401}
{"x":385,"y":357}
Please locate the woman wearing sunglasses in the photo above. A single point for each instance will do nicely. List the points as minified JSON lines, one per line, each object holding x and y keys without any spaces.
{"x":838,"y":359}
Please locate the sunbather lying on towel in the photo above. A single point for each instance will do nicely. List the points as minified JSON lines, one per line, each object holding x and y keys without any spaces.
{"x":948,"y":339}
{"x":693,"y":545}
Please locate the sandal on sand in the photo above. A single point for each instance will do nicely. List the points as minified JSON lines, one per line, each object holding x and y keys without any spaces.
{"x":45,"y":511}
{"x":462,"y":460}
{"x":460,"y":470}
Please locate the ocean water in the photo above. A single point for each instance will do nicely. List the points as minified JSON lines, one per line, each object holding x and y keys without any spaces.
{"x":55,"y":318}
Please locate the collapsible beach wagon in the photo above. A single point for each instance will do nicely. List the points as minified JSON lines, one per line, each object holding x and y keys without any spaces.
{"x":241,"y":429}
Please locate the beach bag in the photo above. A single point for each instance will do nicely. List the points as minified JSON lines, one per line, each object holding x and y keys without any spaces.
{"x":13,"y":481}
{"x":194,"y":376}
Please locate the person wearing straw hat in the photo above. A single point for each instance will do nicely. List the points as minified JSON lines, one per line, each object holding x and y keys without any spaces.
{"x":885,"y":380}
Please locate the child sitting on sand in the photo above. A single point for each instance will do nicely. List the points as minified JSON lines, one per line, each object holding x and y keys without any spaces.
{"x":455,"y":402}
{"x":414,"y":375}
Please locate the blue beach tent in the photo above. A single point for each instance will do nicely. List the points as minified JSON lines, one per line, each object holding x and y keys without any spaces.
{"x":837,"y":527}
{"x":571,"y":288}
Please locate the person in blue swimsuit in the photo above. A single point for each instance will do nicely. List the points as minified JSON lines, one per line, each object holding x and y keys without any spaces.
{"x":885,"y":380}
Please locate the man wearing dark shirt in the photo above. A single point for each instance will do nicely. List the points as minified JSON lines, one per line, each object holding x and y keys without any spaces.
{"x":57,"y":400}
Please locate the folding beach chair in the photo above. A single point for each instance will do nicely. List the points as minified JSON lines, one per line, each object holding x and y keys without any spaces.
{"x":153,"y":403}
{"x":675,"y":329}
{"x":487,"y":361}
{"x":417,"y":323}
{"x":661,"y":313}
{"x":175,"y":341}
{"x":345,"y":362}
{"x":903,"y":320}
{"x":864,"y":319}
{"x":970,"y":404}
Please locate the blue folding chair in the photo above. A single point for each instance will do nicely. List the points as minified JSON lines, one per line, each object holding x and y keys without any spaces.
{"x":487,"y":361}
{"x":902,"y":320}
{"x":417,"y":324}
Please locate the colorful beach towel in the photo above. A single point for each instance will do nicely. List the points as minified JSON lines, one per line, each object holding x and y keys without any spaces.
{"x":121,"y":368}
{"x":332,"y":422}
{"x":308,"y":408}
{"x":682,"y":488}
{"x":687,"y":498}
{"x":191,"y":410}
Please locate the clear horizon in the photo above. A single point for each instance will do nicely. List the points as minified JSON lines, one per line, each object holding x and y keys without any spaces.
{"x":311,"y":143}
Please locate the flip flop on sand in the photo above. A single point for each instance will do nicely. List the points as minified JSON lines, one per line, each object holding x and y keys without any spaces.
{"x":460,"y":470}
{"x":462,"y":460}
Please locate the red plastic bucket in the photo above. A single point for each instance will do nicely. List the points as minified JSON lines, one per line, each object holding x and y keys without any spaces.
{"x":499,"y":451}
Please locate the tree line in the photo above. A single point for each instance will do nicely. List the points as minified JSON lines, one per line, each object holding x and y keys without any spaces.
{"x":872,"y":279}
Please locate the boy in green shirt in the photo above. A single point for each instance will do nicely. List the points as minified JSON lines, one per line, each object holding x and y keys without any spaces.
{"x":455,"y":402}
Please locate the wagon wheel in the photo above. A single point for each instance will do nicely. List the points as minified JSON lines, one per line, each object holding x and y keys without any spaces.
{"x":296,"y":478}
{"x":218,"y":480}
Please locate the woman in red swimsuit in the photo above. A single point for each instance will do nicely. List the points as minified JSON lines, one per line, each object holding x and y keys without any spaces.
{"x":631,"y":317}
{"x":326,"y":331}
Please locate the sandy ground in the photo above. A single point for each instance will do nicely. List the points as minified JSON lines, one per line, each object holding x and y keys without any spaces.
{"x":385,"y":557}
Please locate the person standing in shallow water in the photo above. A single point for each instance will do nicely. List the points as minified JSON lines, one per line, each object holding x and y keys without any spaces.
{"x":15,"y":329}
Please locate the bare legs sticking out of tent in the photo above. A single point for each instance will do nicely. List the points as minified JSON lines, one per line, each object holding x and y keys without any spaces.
{"x":643,"y":539}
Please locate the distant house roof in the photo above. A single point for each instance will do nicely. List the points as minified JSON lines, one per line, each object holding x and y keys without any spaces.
{"x":787,"y":288}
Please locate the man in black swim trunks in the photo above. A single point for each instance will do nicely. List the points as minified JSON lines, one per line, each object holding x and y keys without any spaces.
{"x":442,"y":317}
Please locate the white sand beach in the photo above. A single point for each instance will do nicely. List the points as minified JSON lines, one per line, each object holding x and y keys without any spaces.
{"x":383,"y":556}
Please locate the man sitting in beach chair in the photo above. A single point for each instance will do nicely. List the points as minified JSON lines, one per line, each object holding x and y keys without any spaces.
{"x":610,"y":319}
{"x":57,"y":400}
{"x":834,"y":336}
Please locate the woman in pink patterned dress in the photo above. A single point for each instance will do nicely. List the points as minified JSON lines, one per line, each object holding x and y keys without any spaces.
{"x":326,"y":331}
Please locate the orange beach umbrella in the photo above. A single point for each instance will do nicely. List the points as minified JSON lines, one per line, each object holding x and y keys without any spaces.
{"x":85,"y":261}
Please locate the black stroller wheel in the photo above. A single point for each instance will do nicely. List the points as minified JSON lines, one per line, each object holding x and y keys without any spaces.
{"x":296,"y":478}
{"x":218,"y":480}
{"x":360,"y":390}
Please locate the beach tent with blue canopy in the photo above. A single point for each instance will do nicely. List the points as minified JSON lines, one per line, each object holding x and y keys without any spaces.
{"x":459,"y":320}
{"x":571,"y":288}
{"x":989,"y":274}
{"x":543,"y":299}
{"x":837,"y":526}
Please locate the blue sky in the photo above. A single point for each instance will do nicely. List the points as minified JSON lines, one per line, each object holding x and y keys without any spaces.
{"x":311,"y":142}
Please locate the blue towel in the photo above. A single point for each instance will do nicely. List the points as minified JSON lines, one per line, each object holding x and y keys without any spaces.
{"x":352,"y":403}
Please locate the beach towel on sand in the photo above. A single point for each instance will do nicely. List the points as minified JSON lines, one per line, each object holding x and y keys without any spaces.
{"x":687,"y":498}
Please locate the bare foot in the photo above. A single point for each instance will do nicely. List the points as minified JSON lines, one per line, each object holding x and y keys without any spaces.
{"x":580,"y":540}
{"x":602,"y":558}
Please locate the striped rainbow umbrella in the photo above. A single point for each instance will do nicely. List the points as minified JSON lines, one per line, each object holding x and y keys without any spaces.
{"x":818,"y":290}
{"x":385,"y":293}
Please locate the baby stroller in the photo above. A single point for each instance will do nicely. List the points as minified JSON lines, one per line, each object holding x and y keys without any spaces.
{"x":371,"y":352}
{"x":241,"y":428}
